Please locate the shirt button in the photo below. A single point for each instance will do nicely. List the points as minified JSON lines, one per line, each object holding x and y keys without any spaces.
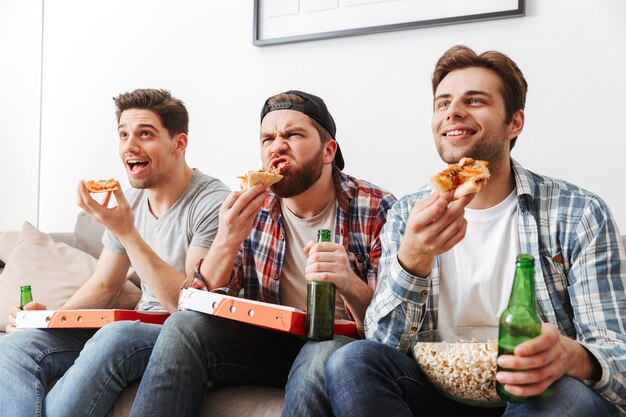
{"x":281,"y":237}
{"x":275,"y":276}
{"x":425,"y":293}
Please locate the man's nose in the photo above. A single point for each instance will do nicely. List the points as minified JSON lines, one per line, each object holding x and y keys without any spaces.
{"x":279,"y":144}
{"x":130,"y":143}
{"x":455,"y":111}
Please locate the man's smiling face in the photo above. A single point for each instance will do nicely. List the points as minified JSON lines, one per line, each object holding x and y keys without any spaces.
{"x":469,"y":116}
{"x":146,"y":148}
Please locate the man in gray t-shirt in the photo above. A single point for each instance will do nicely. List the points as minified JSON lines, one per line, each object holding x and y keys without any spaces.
{"x":191,"y":221}
{"x":162,"y":227}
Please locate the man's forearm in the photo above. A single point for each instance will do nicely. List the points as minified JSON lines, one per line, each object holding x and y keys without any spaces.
{"x":93,"y":294}
{"x":218,"y":264}
{"x":357,"y":299}
{"x":163,"y":279}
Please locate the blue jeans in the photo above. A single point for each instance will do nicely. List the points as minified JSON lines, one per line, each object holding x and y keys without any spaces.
{"x":196,"y":351}
{"x":368,"y":378}
{"x":93,"y":367}
{"x":305,"y":394}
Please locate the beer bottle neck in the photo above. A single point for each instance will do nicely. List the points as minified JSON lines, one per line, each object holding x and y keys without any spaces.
{"x":323,"y":235}
{"x":523,"y":291}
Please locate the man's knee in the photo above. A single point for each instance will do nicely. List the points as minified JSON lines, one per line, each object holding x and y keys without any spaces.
{"x":121,"y":337}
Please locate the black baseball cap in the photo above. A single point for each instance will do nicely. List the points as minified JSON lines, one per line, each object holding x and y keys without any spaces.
{"x":313,"y":107}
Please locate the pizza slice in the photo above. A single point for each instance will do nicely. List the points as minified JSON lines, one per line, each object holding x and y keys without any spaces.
{"x":261,"y":176}
{"x":466,"y":177}
{"x":101,"y":186}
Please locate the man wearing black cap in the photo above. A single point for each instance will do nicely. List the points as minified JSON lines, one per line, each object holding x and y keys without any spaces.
{"x":264,"y":248}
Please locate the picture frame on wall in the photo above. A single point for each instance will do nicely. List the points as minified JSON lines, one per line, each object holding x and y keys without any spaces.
{"x":288,"y":21}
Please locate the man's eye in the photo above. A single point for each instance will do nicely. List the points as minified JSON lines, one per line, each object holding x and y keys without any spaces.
{"x":145,"y":133}
{"x":475,"y":101}
{"x":442,"y":104}
{"x":123,"y":135}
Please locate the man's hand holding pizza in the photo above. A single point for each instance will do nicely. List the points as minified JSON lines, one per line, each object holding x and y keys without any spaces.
{"x":118,"y":219}
{"x":237,"y":215}
{"x":435,"y":225}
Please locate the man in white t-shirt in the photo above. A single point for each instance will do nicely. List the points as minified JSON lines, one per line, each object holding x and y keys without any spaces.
{"x":162,"y":227}
{"x":450,"y":263}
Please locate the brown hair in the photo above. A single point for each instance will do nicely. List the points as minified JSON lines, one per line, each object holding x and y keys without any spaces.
{"x":514,"y":86}
{"x":171,"y":111}
{"x":325,"y":135}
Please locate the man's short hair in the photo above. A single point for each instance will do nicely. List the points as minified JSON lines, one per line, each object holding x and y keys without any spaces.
{"x":171,"y":111}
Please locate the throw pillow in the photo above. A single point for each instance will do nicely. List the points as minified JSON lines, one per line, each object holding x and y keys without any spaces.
{"x":7,"y":242}
{"x":54,"y":270}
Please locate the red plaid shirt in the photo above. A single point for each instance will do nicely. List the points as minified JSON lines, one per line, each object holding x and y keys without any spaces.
{"x":258,"y":266}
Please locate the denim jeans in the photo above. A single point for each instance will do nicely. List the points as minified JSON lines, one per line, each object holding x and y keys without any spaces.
{"x":368,"y":378}
{"x":305,"y":394}
{"x":93,"y":367}
{"x":197,"y":351}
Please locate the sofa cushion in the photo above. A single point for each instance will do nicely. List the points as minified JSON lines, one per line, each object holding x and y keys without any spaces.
{"x":88,"y":234}
{"x":226,"y":401}
{"x":53,"y":269}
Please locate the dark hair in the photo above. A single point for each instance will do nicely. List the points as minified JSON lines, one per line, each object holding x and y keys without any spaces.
{"x":514,"y":86}
{"x":171,"y":111}
{"x":293,"y":98}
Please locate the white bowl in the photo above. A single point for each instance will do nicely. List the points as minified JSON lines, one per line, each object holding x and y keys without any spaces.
{"x":461,"y":363}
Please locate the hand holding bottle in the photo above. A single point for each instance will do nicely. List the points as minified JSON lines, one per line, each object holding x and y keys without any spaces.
{"x":536,"y":364}
{"x":26,"y":303}
{"x":328,"y":262}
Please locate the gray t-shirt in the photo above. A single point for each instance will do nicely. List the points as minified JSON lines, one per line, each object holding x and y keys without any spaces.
{"x":192,"y":220}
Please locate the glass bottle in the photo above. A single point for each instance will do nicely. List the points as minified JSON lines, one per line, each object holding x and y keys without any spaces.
{"x":320,"y":304}
{"x":26,"y":295}
{"x":519,"y":321}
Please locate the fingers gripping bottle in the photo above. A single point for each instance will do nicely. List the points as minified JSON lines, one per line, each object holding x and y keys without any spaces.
{"x":320,"y":304}
{"x":519,"y":321}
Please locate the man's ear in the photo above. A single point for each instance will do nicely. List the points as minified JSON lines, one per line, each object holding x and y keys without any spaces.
{"x":517,"y":124}
{"x":181,"y":142}
{"x":330,"y":149}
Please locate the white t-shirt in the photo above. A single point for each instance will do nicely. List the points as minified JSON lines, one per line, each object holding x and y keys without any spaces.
{"x":477,"y":274}
{"x":298,"y":232}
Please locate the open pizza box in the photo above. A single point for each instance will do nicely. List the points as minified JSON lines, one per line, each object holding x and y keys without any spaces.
{"x":257,"y":313}
{"x":83,"y":319}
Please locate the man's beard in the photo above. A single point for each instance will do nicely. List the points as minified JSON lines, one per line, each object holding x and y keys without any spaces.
{"x":486,"y":149}
{"x":299,"y":179}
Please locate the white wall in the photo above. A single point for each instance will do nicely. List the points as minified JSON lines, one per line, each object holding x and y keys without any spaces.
{"x":20,"y":74}
{"x":572,"y":52}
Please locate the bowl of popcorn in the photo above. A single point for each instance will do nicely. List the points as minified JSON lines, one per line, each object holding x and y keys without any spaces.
{"x":461,"y":363}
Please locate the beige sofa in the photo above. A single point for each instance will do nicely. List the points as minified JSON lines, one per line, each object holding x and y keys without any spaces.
{"x":235,"y":401}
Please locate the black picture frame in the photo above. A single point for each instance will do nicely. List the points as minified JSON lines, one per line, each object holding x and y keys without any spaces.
{"x":259,"y":40}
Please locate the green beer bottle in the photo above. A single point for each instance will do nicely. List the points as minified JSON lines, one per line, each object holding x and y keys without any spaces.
{"x":320,"y":304}
{"x":519,"y":321}
{"x":26,"y":296}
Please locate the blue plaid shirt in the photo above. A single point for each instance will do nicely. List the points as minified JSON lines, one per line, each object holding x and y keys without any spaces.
{"x":580,"y":278}
{"x":358,"y":225}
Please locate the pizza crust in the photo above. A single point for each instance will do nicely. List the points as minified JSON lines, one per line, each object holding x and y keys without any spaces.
{"x":252,"y":178}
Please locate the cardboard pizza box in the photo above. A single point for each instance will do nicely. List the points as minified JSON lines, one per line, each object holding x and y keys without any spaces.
{"x":257,"y":313}
{"x":85,"y":319}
